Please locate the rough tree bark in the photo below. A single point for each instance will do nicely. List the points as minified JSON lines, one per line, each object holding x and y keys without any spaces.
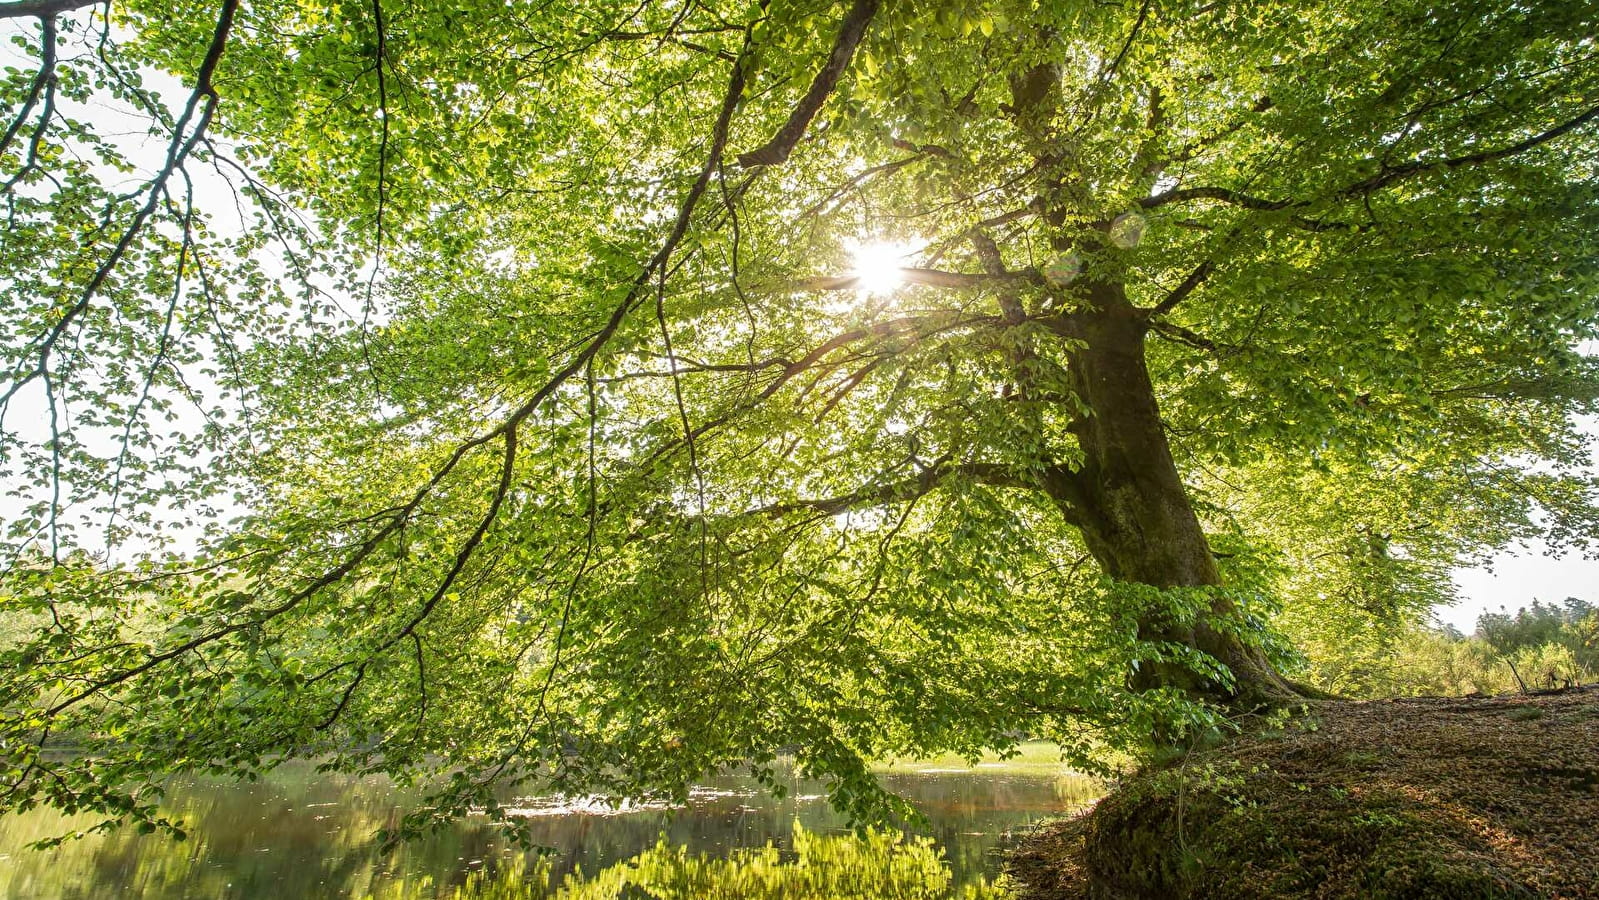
{"x":1128,"y":500}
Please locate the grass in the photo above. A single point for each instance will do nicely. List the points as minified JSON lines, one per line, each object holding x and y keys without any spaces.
{"x":1033,"y":758}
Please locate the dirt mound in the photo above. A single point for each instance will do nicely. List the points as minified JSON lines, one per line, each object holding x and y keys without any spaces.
{"x":1453,"y":799}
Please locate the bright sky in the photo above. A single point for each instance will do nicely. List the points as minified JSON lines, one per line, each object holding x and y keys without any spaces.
{"x":1517,"y":579}
{"x":1521,"y":575}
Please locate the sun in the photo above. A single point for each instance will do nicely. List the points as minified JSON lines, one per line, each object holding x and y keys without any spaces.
{"x":879,"y":266}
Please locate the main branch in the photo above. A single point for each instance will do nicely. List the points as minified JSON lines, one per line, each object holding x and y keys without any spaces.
{"x":41,"y":9}
{"x":776,"y":150}
{"x":924,"y":482}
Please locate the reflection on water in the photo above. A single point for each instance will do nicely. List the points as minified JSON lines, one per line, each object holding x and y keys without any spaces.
{"x":877,"y":866}
{"x":821,"y":867}
{"x":302,"y":834}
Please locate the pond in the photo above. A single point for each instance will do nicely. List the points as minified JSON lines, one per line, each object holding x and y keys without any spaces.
{"x":301,"y":834}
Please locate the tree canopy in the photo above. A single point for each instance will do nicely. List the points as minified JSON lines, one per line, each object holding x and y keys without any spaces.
{"x":534,"y":375}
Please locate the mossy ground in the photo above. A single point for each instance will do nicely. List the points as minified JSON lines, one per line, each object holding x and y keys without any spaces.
{"x":1456,"y":799}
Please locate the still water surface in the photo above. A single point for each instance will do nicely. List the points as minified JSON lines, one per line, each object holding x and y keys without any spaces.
{"x":300,"y":834}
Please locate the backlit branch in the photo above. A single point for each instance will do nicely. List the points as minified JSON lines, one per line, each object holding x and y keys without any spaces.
{"x":1389,"y":175}
{"x":856,"y":181}
{"x":927,"y":277}
{"x":380,"y":66}
{"x":992,"y":474}
{"x":674,"y":36}
{"x":1138,"y":24}
{"x":44,"y":83}
{"x":198,"y":111}
{"x":910,"y":328}
{"x":1191,"y":150}
{"x":1181,"y":292}
{"x":1224,"y":195}
{"x":977,"y":228}
{"x":403,"y":514}
{"x":1418,"y":167}
{"x":776,"y":150}
{"x":44,"y":77}
{"x":502,"y":488}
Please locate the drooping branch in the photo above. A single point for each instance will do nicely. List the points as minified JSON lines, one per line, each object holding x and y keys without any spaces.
{"x":504,"y":431}
{"x":47,"y":79}
{"x":201,"y":106}
{"x":45,"y":76}
{"x":396,"y":519}
{"x":776,"y":150}
{"x":657,"y":263}
{"x":502,"y":488}
{"x":185,"y":248}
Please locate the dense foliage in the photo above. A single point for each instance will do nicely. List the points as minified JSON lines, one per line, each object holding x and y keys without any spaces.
{"x":523,"y":340}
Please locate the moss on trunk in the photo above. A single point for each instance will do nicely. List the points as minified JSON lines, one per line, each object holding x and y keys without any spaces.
{"x":1129,"y":502}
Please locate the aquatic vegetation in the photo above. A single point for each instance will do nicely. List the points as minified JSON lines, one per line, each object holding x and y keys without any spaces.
{"x":876,"y":865}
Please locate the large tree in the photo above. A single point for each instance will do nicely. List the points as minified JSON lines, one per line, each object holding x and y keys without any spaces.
{"x":578,"y":434}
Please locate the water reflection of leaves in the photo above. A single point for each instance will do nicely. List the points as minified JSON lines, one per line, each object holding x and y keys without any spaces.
{"x":309,"y":835}
{"x":874,"y":866}
{"x":1075,"y":791}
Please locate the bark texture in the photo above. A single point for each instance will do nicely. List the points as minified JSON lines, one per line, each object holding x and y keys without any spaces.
{"x":1132,"y":509}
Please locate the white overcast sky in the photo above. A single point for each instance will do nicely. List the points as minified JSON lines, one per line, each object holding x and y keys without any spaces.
{"x":1515,"y":580}
{"x":1519,"y":576}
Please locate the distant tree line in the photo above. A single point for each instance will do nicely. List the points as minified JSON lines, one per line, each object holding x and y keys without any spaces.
{"x":1541,"y":646}
{"x":1572,"y":624}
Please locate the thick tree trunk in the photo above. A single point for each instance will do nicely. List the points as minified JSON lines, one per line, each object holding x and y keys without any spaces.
{"x":1130,"y":504}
